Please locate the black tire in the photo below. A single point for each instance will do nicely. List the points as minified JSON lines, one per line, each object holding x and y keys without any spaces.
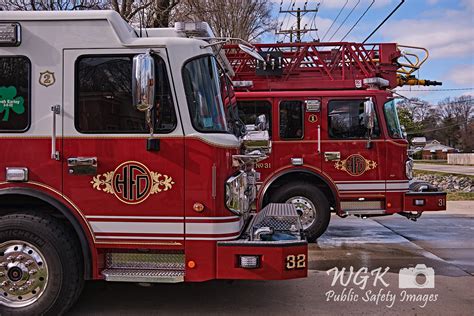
{"x":311,"y":192}
{"x":61,"y":252}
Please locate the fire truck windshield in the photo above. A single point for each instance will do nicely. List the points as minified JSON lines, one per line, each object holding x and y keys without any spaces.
{"x":203,"y":94}
{"x":391,"y":118}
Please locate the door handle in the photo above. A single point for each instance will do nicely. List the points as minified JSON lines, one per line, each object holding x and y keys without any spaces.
{"x":56,"y":110}
{"x":332,"y":155}
{"x":82,"y":165}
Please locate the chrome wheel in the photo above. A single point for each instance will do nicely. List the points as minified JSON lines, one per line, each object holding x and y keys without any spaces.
{"x":23,"y":274}
{"x":305,"y":208}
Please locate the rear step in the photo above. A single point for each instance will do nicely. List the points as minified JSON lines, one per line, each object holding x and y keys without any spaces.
{"x":144,"y":267}
{"x":145,"y":276}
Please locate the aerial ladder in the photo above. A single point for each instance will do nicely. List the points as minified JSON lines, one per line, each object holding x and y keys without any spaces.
{"x":327,"y":66}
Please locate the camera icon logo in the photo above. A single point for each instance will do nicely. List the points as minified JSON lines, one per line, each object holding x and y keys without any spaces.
{"x":419,"y":277}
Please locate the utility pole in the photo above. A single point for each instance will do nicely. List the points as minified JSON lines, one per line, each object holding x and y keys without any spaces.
{"x":299,"y":14}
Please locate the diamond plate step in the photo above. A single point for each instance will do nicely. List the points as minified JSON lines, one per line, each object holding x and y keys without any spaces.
{"x":146,"y":276}
{"x":145,"y":261}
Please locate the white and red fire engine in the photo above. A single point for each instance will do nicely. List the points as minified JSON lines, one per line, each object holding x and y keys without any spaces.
{"x":116,"y":163}
{"x":337,"y":142}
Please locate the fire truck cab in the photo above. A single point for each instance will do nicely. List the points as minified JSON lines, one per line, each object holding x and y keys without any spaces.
{"x":337,"y":142}
{"x":116,"y":163}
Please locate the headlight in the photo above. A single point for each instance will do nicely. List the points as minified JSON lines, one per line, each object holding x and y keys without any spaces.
{"x":409,"y":168}
{"x":237,"y":200}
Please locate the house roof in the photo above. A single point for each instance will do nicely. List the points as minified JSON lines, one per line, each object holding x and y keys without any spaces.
{"x":436,"y":145}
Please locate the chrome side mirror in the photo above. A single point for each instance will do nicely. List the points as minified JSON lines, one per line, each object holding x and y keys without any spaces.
{"x":143,"y":82}
{"x":404,"y":132}
{"x":252,"y":52}
{"x":369,"y":120}
{"x":261,"y":123}
{"x":369,"y":114}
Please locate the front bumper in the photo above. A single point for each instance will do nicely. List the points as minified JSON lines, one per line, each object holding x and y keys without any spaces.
{"x":279,"y":260}
{"x":274,"y":244}
{"x":424,"y":201}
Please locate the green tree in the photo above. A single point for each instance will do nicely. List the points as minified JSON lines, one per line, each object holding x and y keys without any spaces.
{"x":406,"y":119}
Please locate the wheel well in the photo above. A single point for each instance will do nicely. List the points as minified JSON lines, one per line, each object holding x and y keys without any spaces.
{"x":300,"y":176}
{"x":27,"y":199}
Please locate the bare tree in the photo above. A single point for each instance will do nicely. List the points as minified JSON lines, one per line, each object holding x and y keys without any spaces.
{"x":246,"y":19}
{"x":159,"y":13}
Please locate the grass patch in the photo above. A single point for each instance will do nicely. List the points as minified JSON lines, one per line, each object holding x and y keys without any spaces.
{"x":460,"y":196}
{"x":441,"y":174}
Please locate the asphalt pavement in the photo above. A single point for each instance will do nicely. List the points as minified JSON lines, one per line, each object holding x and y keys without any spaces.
{"x":467,"y":170}
{"x":375,"y":250}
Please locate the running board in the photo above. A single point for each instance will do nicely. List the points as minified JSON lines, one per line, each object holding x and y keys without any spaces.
{"x":143,"y":276}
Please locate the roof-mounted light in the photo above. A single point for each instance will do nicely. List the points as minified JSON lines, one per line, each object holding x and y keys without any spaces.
{"x":376,"y":82}
{"x":194,"y":29}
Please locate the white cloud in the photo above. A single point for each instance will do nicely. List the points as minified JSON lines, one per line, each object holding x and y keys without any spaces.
{"x":462,"y":75}
{"x":445,"y":34}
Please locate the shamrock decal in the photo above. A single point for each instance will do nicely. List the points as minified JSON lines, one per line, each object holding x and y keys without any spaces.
{"x":9,"y":101}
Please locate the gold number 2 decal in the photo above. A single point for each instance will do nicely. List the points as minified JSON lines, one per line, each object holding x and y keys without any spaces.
{"x":296,"y":261}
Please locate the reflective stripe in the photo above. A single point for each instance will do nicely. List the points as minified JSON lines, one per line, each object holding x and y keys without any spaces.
{"x":135,"y":217}
{"x":398,"y":186}
{"x":136,"y":227}
{"x":141,"y":237}
{"x":213,"y":228}
{"x":167,"y":228}
{"x":360,"y":186}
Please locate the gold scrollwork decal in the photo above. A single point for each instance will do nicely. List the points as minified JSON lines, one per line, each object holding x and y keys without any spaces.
{"x":355,"y":165}
{"x":132,"y":182}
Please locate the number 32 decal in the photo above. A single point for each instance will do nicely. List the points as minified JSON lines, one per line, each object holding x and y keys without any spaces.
{"x":295,"y":262}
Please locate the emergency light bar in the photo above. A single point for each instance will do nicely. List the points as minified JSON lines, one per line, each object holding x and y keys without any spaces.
{"x":10,"y":34}
{"x":194,"y":29}
{"x":376,"y":82}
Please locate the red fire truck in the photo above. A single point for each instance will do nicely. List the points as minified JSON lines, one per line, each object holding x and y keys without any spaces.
{"x":116,"y":163}
{"x":337,"y":142}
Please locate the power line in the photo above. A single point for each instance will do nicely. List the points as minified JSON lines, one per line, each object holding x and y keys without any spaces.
{"x":357,"y":22}
{"x":385,"y":20}
{"x":453,"y":89}
{"x":436,"y":129}
{"x":350,"y":13}
{"x":334,"y":21}
{"x":299,"y":13}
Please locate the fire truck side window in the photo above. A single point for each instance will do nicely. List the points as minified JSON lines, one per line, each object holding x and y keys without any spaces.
{"x":250,"y":110}
{"x":14,"y":93}
{"x":104,"y":97}
{"x":345,"y":120}
{"x":291,"y":119}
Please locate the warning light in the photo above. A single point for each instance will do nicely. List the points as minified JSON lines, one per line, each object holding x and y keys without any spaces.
{"x":198,"y":207}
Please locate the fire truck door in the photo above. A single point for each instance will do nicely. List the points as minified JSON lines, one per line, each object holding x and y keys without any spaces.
{"x":355,"y":163}
{"x":296,"y":142}
{"x":128,"y":194}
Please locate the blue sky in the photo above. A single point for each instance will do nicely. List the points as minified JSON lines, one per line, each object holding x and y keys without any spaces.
{"x":444,"y":27}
